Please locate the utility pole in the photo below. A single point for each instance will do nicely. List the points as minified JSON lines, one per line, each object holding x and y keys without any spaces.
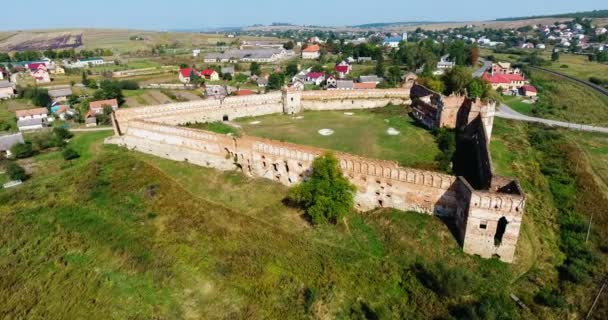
{"x":589,"y":228}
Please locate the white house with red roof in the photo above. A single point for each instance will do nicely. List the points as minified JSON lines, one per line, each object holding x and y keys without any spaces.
{"x":311,"y":52}
{"x":506,"y":82}
{"x":96,"y":107}
{"x":210,"y":74}
{"x":186,"y":73}
{"x":315,"y":78}
{"x":39,"y":72}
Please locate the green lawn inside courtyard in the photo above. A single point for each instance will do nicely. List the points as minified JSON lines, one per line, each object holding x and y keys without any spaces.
{"x":360,"y":132}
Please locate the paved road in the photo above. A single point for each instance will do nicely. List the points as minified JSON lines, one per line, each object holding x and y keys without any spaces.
{"x":507,"y":113}
{"x":486,"y":65}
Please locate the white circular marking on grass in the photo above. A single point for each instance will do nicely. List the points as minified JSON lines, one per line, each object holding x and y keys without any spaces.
{"x":348,"y":113}
{"x":299,"y":117}
{"x":528,"y":101}
{"x":392,"y":132}
{"x":255,"y":122}
{"x":326,"y":132}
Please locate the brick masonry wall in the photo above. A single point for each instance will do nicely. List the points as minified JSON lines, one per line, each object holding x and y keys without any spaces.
{"x":379,"y":183}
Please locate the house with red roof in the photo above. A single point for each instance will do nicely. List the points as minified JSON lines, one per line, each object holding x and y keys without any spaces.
{"x":210,"y":74}
{"x":529,"y":91}
{"x":186,"y":73}
{"x":505,"y":82}
{"x":343,"y":69}
{"x":315,"y":78}
{"x":311,"y":52}
{"x":39,"y":72}
{"x":96,"y":107}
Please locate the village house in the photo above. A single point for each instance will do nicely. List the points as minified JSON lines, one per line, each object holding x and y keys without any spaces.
{"x":261,"y":82}
{"x":62,"y":111}
{"x":60,"y":95}
{"x":311,"y":52}
{"x":529,"y":91}
{"x":443,"y":65}
{"x":392,"y":42}
{"x":39,"y":72}
{"x":218,"y":91}
{"x":90,"y":120}
{"x":504,"y":68}
{"x":96,"y":107}
{"x":343,"y":69}
{"x":370,"y":79}
{"x":31,"y":119}
{"x":186,"y":73}
{"x":210,"y":74}
{"x":228,"y":70}
{"x":7,"y":90}
{"x":315,"y":78}
{"x":86,"y":62}
{"x":507,"y":83}
{"x":7,"y":141}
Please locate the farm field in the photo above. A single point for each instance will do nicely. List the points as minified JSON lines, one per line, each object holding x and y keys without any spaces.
{"x":363,"y":133}
{"x":137,"y":98}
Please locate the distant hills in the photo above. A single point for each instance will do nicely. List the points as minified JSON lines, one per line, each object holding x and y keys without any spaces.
{"x":582,"y":14}
{"x":392,"y":24}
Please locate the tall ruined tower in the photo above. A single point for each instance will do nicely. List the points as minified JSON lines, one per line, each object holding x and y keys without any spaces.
{"x":490,"y":223}
{"x":292,"y":101}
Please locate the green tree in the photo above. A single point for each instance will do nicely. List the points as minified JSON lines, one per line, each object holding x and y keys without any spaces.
{"x":22,"y":150}
{"x":109,"y":90}
{"x":255,"y":68}
{"x":478,"y":88}
{"x":394,"y":76}
{"x":62,"y":133}
{"x":289,"y":45}
{"x":380,"y":66}
{"x":291,"y":69}
{"x":275,"y":81}
{"x":446,"y":141}
{"x":15,"y":171}
{"x":70,"y":154}
{"x":326,"y":195}
{"x":456,"y":79}
{"x":555,"y":56}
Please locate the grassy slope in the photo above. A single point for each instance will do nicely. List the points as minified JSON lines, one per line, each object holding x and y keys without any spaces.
{"x":178,"y":241}
{"x":363,"y":133}
{"x":561,"y":99}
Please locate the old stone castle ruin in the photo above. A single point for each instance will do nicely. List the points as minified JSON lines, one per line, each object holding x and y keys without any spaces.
{"x":487,"y":212}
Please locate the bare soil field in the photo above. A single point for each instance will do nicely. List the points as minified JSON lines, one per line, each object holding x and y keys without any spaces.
{"x":22,"y":41}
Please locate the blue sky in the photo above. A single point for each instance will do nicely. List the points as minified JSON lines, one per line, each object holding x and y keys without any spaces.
{"x":175,"y":14}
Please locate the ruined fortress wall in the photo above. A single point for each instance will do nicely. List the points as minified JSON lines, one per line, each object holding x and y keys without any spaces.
{"x":479,"y":215}
{"x":486,"y":209}
{"x":379,"y":183}
{"x":203,"y":110}
{"x":352,"y":99}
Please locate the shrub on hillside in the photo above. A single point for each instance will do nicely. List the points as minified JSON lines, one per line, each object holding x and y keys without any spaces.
{"x":444,"y":281}
{"x":70,"y":154}
{"x":326,"y":195}
{"x":15,"y":172}
{"x":22,"y":150}
{"x":62,"y":133}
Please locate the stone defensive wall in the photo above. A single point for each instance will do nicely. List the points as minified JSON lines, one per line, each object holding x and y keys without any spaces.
{"x":488,"y":220}
{"x":379,"y":183}
{"x":352,"y":99}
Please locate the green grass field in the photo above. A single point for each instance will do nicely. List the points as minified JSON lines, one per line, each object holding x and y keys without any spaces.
{"x":363,"y":133}
{"x":517,"y":104}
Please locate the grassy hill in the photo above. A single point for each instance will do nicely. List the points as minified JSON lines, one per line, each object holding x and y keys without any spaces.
{"x":119,"y":234}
